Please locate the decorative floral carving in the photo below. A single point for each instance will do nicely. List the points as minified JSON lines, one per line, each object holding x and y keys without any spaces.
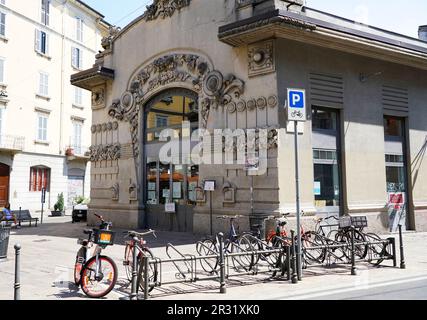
{"x":105,"y":152}
{"x":261,"y":58}
{"x":272,"y":101}
{"x":98,"y":98}
{"x":164,"y":8}
{"x":115,"y":191}
{"x":250,"y":144}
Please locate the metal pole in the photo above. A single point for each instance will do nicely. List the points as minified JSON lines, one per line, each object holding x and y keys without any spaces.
{"x":252,"y":195}
{"x":353,"y":260}
{"x":222,"y":288}
{"x":299,"y":257}
{"x":146,"y":276}
{"x":210,"y":210}
{"x":17,"y":286}
{"x":41,"y":220}
{"x":392,"y":241}
{"x":402,"y":256}
{"x":288,"y":262}
{"x":134,"y":288}
{"x":294,"y":277}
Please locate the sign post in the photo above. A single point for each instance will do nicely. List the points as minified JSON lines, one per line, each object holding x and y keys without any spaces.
{"x":210,"y":186}
{"x":43,"y":200}
{"x":297,"y":112}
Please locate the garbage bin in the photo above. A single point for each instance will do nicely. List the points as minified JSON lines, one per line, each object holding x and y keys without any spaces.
{"x":4,"y":241}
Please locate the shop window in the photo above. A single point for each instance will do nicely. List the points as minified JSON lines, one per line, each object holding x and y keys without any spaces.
{"x":39,"y":178}
{"x":323,"y":119}
{"x":393,"y":127}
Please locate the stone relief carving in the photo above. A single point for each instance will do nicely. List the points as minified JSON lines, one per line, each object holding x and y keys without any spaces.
{"x":108,"y":126}
{"x":105,"y":152}
{"x":214,"y":89}
{"x":133,"y":191}
{"x":164,"y":8}
{"x":261,"y":58}
{"x":229,"y":192}
{"x":234,"y":145}
{"x":252,"y":104}
{"x":107,"y":41}
{"x":98,"y":98}
{"x":115,"y":191}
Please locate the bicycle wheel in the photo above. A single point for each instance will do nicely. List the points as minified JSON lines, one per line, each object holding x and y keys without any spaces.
{"x":313,"y":248}
{"x":128,"y":260}
{"x":241,"y":245}
{"x":97,"y":286}
{"x":152,"y":271}
{"x":78,"y":266}
{"x":204,"y":248}
{"x":378,"y":250}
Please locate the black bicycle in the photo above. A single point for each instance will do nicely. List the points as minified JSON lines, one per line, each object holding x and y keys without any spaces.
{"x":235,"y":243}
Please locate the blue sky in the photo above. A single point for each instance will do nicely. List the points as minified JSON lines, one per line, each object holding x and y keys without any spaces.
{"x":392,"y":15}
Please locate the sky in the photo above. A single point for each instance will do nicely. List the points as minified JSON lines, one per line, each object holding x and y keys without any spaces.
{"x":393,"y":15}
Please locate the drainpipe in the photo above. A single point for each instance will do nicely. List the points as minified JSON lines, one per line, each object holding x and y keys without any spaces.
{"x":61,"y":110}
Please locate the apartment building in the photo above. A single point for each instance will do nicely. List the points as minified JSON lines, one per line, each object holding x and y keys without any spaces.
{"x":44,"y":120}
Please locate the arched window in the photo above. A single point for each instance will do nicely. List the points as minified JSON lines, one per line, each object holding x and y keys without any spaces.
{"x":39,"y":178}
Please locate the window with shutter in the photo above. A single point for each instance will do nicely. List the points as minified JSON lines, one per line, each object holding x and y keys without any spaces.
{"x":39,"y":178}
{"x":45,"y":4}
{"x":2,"y":24}
{"x":1,"y":70}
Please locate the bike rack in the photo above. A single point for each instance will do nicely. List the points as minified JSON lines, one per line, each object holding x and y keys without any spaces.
{"x":189,"y":266}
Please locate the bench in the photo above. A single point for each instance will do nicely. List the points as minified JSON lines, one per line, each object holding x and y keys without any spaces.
{"x":25,"y":216}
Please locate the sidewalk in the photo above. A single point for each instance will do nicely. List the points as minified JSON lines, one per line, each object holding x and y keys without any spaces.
{"x":48,"y":255}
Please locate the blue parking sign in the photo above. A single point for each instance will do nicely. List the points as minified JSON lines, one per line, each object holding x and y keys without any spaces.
{"x":296,"y":99}
{"x":296,"y":105}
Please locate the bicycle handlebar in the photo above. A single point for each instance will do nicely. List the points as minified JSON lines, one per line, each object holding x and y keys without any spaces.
{"x":230,"y":217}
{"x":132,"y":234}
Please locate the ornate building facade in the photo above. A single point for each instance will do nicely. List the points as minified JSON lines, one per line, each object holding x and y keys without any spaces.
{"x":226,"y":65}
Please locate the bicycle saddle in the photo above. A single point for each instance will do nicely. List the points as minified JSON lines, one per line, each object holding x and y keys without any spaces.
{"x":88,"y":231}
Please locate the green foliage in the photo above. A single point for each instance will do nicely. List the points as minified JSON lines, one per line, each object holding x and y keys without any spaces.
{"x":81,"y":200}
{"x":59,"y":205}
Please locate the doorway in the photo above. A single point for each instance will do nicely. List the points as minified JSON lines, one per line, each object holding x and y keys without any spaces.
{"x":173,"y":182}
{"x":4,"y":184}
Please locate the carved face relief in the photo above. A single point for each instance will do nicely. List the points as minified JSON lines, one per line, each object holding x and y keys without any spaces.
{"x":98,"y":98}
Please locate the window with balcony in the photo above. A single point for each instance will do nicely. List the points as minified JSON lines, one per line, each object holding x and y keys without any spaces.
{"x":39,"y":178}
{"x":43,"y":89}
{"x":45,"y":6}
{"x":76,"y":58}
{"x":77,"y":137}
{"x":42,"y":42}
{"x":79,"y":29}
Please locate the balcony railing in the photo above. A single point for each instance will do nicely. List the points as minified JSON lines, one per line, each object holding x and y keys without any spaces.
{"x":10,"y":142}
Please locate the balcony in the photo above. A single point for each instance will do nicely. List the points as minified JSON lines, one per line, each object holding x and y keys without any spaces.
{"x":12,"y":144}
{"x":77,"y":153}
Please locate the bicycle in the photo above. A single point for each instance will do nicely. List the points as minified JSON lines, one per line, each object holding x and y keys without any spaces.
{"x":95,"y":273}
{"x":137,"y":240}
{"x":274,"y":240}
{"x":235,"y":243}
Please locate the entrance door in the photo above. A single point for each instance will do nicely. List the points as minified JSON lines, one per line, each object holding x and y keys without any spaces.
{"x":173,"y":181}
{"x":4,"y":184}
{"x":396,"y":172}
{"x":326,"y":160}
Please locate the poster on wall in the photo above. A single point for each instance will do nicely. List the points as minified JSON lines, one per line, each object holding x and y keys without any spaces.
{"x":165,"y":193}
{"x":317,"y":188}
{"x":176,"y":192}
{"x":152,"y":186}
{"x":396,"y":210}
{"x":152,"y":197}
{"x":192,"y":191}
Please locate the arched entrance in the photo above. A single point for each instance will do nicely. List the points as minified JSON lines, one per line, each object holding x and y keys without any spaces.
{"x":169,"y":182}
{"x":4,"y":184}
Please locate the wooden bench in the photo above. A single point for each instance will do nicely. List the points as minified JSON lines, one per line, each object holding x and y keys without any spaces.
{"x":24,"y":216}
